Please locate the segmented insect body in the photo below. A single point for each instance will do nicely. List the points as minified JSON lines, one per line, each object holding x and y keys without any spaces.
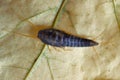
{"x":59,"y":38}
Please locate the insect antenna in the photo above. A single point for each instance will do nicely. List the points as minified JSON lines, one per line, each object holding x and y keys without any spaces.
{"x":35,"y":37}
{"x":26,"y":19}
{"x":34,"y":29}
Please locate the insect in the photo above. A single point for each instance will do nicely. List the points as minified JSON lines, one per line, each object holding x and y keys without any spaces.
{"x":59,"y":38}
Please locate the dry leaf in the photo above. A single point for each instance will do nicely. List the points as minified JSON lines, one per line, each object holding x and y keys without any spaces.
{"x":24,"y":57}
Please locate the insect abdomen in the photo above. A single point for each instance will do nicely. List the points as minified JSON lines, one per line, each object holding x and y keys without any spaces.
{"x":73,"y":41}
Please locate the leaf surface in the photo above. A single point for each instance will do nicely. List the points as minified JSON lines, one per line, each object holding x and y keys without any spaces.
{"x":24,"y":57}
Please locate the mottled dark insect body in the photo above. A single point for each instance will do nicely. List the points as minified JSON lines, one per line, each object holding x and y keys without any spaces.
{"x":59,"y":38}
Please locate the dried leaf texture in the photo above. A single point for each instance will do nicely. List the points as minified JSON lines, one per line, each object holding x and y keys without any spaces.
{"x":24,"y":57}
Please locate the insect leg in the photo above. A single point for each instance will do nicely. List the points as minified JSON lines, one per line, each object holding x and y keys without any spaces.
{"x":53,"y":48}
{"x":67,"y":48}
